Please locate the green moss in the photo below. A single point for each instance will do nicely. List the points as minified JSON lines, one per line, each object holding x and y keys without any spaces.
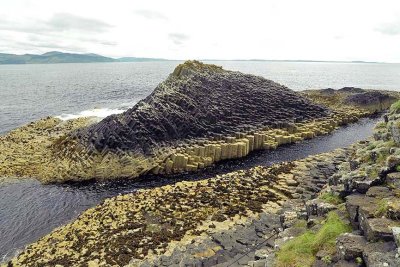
{"x":359,"y":261}
{"x":371,"y":146}
{"x":300,"y":224}
{"x":153,"y":228}
{"x":327,"y":259}
{"x":382,"y":208}
{"x":331,"y":198}
{"x":390,"y":144}
{"x":380,"y":125}
{"x":395,"y":107}
{"x":301,"y":250}
{"x":398,"y":168}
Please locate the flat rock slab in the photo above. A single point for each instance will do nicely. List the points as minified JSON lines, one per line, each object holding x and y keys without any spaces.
{"x":379,"y":229}
{"x":379,"y":192}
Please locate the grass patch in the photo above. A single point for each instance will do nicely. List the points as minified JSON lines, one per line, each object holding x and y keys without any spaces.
{"x":300,"y":224}
{"x":301,"y":250}
{"x":380,"y":125}
{"x":395,"y":107}
{"x":371,"y":146}
{"x":382,"y":208}
{"x":331,"y":198}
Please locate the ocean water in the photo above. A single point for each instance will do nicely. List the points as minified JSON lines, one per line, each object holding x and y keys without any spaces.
{"x":30,"y":92}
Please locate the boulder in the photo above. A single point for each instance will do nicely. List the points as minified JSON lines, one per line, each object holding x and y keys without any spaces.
{"x":379,"y":259}
{"x":318,"y":207}
{"x":396,"y":235}
{"x":350,"y":246}
{"x":353,"y":204}
{"x":379,"y":229}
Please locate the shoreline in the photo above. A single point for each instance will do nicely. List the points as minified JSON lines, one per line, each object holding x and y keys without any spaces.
{"x":204,"y":218}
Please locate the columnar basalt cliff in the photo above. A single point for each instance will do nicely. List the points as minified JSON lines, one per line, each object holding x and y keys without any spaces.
{"x":199,"y":100}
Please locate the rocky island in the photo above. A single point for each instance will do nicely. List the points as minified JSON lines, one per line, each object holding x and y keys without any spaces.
{"x":334,"y":209}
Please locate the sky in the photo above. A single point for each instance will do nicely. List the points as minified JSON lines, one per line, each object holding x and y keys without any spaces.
{"x":208,"y":29}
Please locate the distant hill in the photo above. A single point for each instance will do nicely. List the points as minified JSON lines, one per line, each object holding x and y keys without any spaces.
{"x":60,"y":57}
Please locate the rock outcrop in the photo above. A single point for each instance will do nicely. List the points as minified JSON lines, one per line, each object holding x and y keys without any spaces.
{"x":199,"y":100}
{"x":369,"y":100}
{"x":374,"y":101}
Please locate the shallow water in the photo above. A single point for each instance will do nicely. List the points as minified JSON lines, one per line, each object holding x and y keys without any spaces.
{"x":29,"y":210}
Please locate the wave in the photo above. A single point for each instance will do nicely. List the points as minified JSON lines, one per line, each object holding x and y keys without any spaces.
{"x":96,"y":112}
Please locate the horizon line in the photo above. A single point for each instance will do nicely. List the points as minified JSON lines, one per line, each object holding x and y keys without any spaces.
{"x":208,"y":59}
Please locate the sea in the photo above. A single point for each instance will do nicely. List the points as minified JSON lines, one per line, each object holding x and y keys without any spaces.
{"x":31,"y":92}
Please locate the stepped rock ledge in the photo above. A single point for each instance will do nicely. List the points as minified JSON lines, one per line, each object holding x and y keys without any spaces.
{"x":199,"y":115}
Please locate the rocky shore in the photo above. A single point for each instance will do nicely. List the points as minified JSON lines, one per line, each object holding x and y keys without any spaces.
{"x":189,"y":219}
{"x":334,"y":209}
{"x":200,"y":115}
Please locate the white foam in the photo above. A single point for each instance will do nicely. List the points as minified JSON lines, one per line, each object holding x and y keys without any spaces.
{"x":97,"y":113}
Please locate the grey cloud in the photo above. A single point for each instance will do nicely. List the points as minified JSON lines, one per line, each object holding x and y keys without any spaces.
{"x":59,"y":22}
{"x":40,"y":47}
{"x":178,"y":38}
{"x":49,"y":46}
{"x":98,"y":41}
{"x":41,"y":38}
{"x":150,"y":14}
{"x":54,"y":33}
{"x":65,"y":21}
{"x":390,"y":28}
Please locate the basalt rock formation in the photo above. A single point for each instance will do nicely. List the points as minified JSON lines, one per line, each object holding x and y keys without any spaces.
{"x":199,"y":100}
{"x":199,"y":115}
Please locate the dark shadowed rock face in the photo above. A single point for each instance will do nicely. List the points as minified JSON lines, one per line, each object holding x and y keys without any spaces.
{"x":199,"y":100}
{"x":369,"y":98}
{"x":351,"y":90}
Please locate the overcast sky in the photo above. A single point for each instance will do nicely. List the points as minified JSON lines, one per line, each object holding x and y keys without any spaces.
{"x":207,"y":29}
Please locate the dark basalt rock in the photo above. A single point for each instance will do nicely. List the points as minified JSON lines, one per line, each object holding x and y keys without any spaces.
{"x":328,"y":91}
{"x":199,"y":100}
{"x":369,"y":98}
{"x":351,"y":90}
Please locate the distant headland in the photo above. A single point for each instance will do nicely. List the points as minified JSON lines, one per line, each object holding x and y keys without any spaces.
{"x":61,"y":57}
{"x":56,"y":57}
